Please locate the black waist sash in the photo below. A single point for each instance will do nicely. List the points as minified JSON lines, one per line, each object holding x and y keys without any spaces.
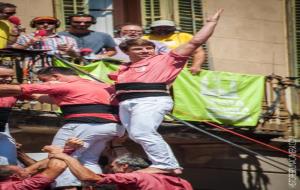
{"x":142,"y":90}
{"x":68,"y":110}
{"x":4,"y":115}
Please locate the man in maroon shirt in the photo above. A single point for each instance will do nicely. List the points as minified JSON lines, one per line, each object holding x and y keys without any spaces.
{"x":40,"y":174}
{"x":87,"y":110}
{"x":142,"y":87}
{"x":126,"y":176}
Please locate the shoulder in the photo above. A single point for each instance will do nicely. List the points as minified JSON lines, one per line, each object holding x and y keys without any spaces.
{"x":30,"y":35}
{"x":118,"y":40}
{"x":64,"y":33}
{"x":120,"y":178}
{"x":4,"y":24}
{"x":102,"y":34}
{"x":183,"y":35}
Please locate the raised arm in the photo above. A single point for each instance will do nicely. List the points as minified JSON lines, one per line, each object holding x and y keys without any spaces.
{"x":200,"y":37}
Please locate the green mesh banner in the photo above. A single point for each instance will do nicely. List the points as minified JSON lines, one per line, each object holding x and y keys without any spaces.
{"x":220,"y":97}
{"x":98,"y":69}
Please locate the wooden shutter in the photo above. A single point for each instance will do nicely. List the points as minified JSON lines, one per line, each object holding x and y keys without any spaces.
{"x":65,"y":8}
{"x":150,"y":11}
{"x":190,"y":17}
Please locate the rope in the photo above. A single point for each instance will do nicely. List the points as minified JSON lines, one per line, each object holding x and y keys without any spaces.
{"x":234,"y":144}
{"x":251,"y":139}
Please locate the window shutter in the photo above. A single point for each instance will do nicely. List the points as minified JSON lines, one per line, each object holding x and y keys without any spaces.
{"x":190,"y":16}
{"x":151,"y":11}
{"x":70,"y":7}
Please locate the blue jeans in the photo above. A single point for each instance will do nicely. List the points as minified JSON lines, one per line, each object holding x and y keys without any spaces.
{"x":141,"y":117}
{"x":8,"y":152}
{"x":95,"y":136}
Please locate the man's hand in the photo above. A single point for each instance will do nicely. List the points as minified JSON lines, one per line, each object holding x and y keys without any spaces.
{"x":52,"y":149}
{"x":70,"y":146}
{"x":194,"y":70}
{"x":60,"y":156}
{"x":200,"y":37}
{"x":74,"y":143}
{"x":65,"y":48}
{"x":101,"y":56}
{"x":215,"y":17}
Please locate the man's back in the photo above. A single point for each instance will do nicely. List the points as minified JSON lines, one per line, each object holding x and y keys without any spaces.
{"x":145,"y":181}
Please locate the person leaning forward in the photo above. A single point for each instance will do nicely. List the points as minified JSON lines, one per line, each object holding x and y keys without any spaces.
{"x":126,"y":174}
{"x":142,"y":89}
{"x":87,"y":110}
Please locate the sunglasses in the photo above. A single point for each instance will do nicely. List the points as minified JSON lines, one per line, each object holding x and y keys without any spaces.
{"x":85,"y":22}
{"x":46,"y":22}
{"x":10,"y":13}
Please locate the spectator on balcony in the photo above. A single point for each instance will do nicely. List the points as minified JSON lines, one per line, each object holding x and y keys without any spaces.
{"x":165,"y":31}
{"x":133,"y":31}
{"x":101,"y":43}
{"x":45,"y":38}
{"x":7,"y":29}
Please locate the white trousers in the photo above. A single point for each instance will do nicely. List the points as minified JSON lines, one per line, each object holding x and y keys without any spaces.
{"x":8,"y":152}
{"x":95,"y":136}
{"x":141,"y":117}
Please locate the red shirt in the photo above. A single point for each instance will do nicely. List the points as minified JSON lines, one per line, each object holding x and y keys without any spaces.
{"x":145,"y":181}
{"x":36,"y":182}
{"x":162,"y":68}
{"x":7,"y":102}
{"x":74,"y":91}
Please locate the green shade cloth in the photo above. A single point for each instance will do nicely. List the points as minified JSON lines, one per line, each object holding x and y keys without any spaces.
{"x":98,"y":69}
{"x":220,"y":97}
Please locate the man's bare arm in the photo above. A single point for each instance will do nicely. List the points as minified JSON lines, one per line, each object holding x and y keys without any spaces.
{"x":200,"y":37}
{"x":36,"y":167}
{"x":81,"y":172}
{"x":54,"y":168}
{"x":198,"y":60}
{"x":10,"y":90}
{"x":23,"y":157}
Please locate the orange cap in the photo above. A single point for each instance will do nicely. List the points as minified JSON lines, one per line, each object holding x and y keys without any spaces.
{"x":40,"y":18}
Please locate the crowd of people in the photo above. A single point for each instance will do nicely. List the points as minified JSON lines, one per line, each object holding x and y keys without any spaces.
{"x":95,"y":113}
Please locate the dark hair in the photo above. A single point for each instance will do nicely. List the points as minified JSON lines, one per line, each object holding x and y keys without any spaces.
{"x":6,"y":5}
{"x":81,"y":15}
{"x":125,"y":45}
{"x":133,"y":161}
{"x":5,"y":172}
{"x":56,"y":70}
